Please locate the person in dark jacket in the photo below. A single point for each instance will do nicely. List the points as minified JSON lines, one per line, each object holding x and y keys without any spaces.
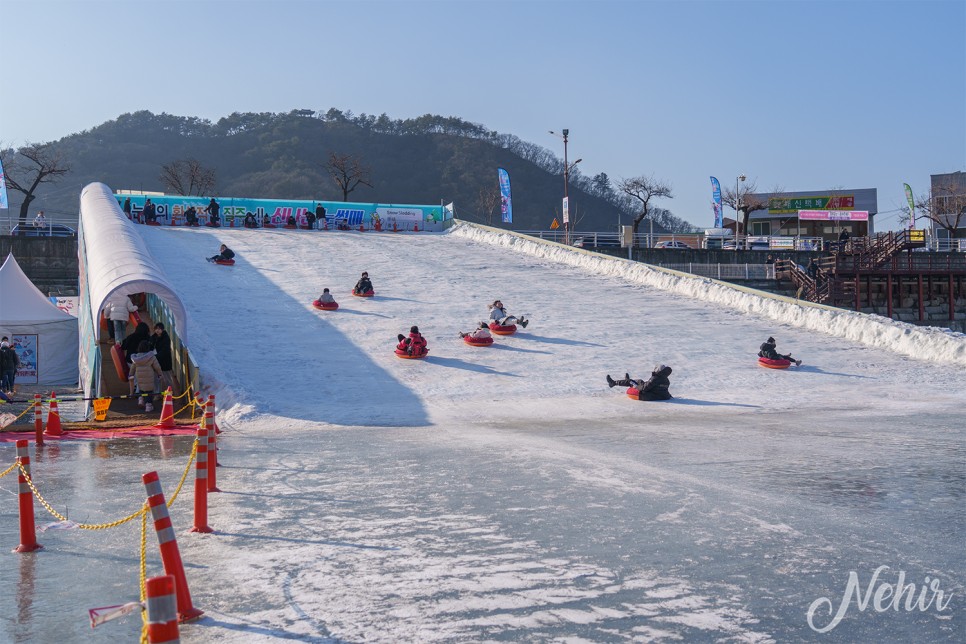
{"x":767,"y":350}
{"x":142,"y":333}
{"x":310,"y":219}
{"x":414,"y":345}
{"x":250,"y":221}
{"x":812,"y":269}
{"x":225,"y":254}
{"x":655,"y":388}
{"x":127,"y":207}
{"x":364,"y":285}
{"x":150,"y":212}
{"x":291,"y":221}
{"x":214,"y":217}
{"x":320,"y":214}
{"x":191,"y":216}
{"x":9,"y":363}
{"x":161,"y":343}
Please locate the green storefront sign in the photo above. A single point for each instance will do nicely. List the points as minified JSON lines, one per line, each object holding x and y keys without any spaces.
{"x":783,"y":205}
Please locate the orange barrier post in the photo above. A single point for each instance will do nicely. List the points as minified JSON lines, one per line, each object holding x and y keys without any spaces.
{"x":167,"y":412}
{"x":38,"y":419}
{"x":53,"y":417}
{"x":201,"y":483}
{"x":212,"y":457}
{"x":28,"y":532}
{"x":168,"y":544}
{"x":162,"y":604}
{"x":200,"y":404}
{"x":214,"y":422}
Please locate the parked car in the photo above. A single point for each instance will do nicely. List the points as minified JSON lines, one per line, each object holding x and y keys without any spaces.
{"x":671,"y":244}
{"x":50,"y":230}
{"x":598,"y":242}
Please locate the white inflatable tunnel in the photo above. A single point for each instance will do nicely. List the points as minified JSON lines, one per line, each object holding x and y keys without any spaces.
{"x":114,"y":260}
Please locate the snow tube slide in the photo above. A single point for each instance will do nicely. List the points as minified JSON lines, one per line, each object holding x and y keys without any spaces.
{"x":774,"y":364}
{"x":225,"y":262}
{"x":632,"y":392}
{"x":501,"y":329}
{"x":120,"y":364}
{"x":330,"y":306}
{"x":366,"y":294}
{"x":405,"y":356}
{"x":477,"y":342}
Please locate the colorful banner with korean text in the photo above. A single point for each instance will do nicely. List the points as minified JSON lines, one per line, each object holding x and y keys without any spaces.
{"x":3,"y":188}
{"x":912,"y":205}
{"x":833,"y":215}
{"x":170,"y":211}
{"x":506,"y":202}
{"x":716,"y":202}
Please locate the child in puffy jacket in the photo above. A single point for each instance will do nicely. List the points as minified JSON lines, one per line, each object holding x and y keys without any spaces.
{"x":144,"y":367}
{"x":414,"y":345}
{"x":481,"y":333}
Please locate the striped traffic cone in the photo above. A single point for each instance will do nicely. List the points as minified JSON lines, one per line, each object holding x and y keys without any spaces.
{"x":167,"y":412}
{"x":53,"y":418}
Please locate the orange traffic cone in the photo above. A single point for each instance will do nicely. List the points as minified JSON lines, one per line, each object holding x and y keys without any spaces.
{"x":211,"y":407}
{"x":362,"y":228}
{"x":395,"y":229}
{"x":325,"y":224}
{"x":53,"y":418}
{"x":415,"y":228}
{"x":167,"y":412}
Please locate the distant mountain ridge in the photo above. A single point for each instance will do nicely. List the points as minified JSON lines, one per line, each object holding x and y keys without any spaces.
{"x":427,"y":160}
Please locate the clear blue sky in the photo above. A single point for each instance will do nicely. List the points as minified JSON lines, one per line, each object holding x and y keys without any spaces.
{"x":800,"y":95}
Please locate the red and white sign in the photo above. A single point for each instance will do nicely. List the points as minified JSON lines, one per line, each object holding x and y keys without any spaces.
{"x":834,"y":215}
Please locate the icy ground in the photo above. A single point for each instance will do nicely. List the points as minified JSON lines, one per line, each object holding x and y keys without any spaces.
{"x":506,"y":494}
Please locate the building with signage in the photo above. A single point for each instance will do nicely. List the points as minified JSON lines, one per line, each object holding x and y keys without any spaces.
{"x":948,"y":195}
{"x":827,"y":213}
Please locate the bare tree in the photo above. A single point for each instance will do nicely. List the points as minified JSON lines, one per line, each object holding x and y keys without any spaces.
{"x":188,"y":177}
{"x":945,"y":207}
{"x":28,"y":167}
{"x":745,"y":202}
{"x":643,"y":190}
{"x":348,"y":172}
{"x":488,"y":202}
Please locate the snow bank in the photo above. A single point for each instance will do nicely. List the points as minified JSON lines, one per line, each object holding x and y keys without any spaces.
{"x":931,"y":344}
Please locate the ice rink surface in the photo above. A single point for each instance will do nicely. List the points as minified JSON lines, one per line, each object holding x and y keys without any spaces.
{"x":506,"y":493}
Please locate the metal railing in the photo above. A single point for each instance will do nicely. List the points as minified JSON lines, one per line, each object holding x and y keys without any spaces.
{"x":726,"y":271}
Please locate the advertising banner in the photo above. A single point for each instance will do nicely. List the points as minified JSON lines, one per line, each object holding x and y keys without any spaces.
{"x":716,"y":202}
{"x":506,"y":202}
{"x":834,"y":215}
{"x":66,"y":304}
{"x":912,"y":205}
{"x":170,"y":210}
{"x":26,"y":348}
{"x":566,"y":211}
{"x":3,"y":188}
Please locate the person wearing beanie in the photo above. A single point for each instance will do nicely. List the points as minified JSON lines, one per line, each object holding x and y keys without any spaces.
{"x":482,"y":332}
{"x":767,"y":350}
{"x":364,"y":285}
{"x":414,"y":345}
{"x":655,"y":388}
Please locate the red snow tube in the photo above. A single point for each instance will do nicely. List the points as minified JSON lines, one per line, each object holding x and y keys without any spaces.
{"x":366,"y":294}
{"x":405,"y":356}
{"x":120,"y":363}
{"x":329,"y":306}
{"x":632,"y":392}
{"x":225,"y":262}
{"x":774,"y":364}
{"x":477,"y":342}
{"x":501,"y":329}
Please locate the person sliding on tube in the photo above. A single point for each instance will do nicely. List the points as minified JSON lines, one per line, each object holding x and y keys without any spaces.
{"x":326,"y":297}
{"x":225,"y":254}
{"x":363,"y":285}
{"x":498,"y":315}
{"x":414,"y":345}
{"x":481,"y":333}
{"x":655,"y":388}
{"x":767,"y":350}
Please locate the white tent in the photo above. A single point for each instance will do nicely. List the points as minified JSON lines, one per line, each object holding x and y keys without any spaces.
{"x":46,"y":337}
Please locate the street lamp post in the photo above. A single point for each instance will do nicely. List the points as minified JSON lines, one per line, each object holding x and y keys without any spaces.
{"x":740,"y":177}
{"x":567,"y":168}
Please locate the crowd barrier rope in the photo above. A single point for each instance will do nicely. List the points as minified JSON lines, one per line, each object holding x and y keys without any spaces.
{"x":154,"y":629}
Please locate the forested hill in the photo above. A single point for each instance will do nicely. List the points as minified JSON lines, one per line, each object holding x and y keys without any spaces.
{"x":419,"y":161}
